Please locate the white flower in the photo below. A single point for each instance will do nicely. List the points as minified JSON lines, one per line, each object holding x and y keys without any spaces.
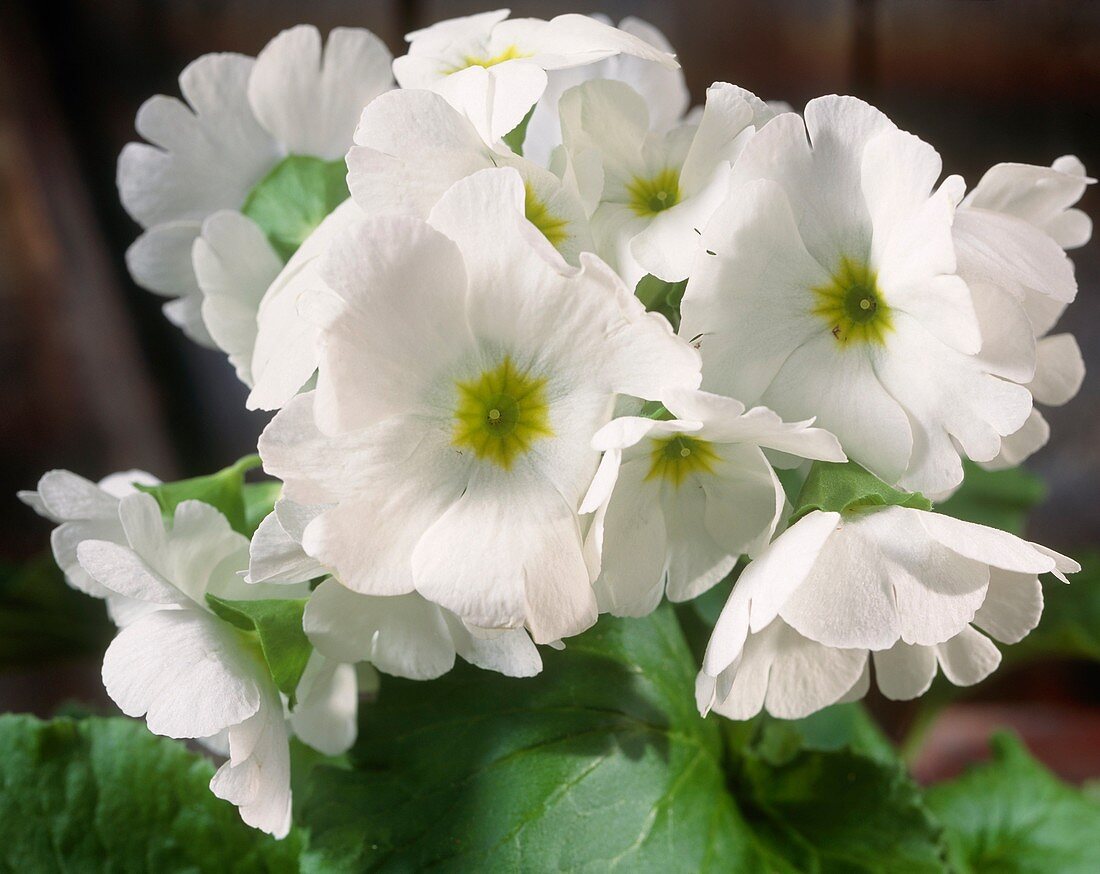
{"x":1010,"y":233}
{"x":402,"y":635}
{"x":85,"y":510}
{"x":909,"y":587}
{"x":465,"y":370}
{"x":241,"y":122}
{"x":193,"y":675}
{"x":664,"y":90}
{"x":832,"y":292}
{"x":679,"y":500}
{"x":650,"y":193}
{"x":494,"y":70}
{"x":411,"y":146}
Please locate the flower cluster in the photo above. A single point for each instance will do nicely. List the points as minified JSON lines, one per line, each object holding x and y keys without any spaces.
{"x":539,"y":342}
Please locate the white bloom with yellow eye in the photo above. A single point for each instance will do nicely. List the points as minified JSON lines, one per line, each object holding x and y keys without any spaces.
{"x":678,"y":501}
{"x":214,"y":162}
{"x":494,"y":69}
{"x":465,"y":370}
{"x":828,"y":286}
{"x":908,"y":588}
{"x":650,"y":194}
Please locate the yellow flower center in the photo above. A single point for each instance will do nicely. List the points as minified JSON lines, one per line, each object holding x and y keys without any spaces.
{"x":853,"y":306}
{"x":649,"y":196}
{"x":500,"y":414}
{"x":673,"y":458}
{"x":551,"y":227}
{"x":509,"y":54}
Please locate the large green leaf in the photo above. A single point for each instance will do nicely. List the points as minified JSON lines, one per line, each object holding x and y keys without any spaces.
{"x":42,"y":618}
{"x":828,"y":794}
{"x":104,"y":795}
{"x":243,"y":504}
{"x":294,"y":198}
{"x":277,"y":624}
{"x":600,"y":763}
{"x":1000,"y":499}
{"x":1012,"y":816}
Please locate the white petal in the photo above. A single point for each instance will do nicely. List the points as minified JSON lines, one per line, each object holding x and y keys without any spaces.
{"x":632,"y":570}
{"x":234,"y":266}
{"x":1059,"y":370}
{"x":905,"y":671}
{"x":185,"y":671}
{"x":765,"y":585}
{"x":309,"y":103}
{"x":399,"y":325}
{"x":66,"y":495}
{"x":119,"y":569}
{"x":402,"y":635}
{"x":328,"y":701}
{"x":160,"y":259}
{"x":1012,"y":607}
{"x":203,"y":158}
{"x":510,"y":653}
{"x":968,"y":658}
{"x":276,"y":557}
{"x":998,"y":549}
{"x":748,"y":306}
{"x":697,"y":559}
{"x":259,"y":782}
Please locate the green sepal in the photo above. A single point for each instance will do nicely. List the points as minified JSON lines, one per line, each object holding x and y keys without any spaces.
{"x":294,"y":198}
{"x":661,"y":297}
{"x":515,"y":137}
{"x":225,"y":491}
{"x":840,"y":488}
{"x":259,"y":500}
{"x":278,"y":625}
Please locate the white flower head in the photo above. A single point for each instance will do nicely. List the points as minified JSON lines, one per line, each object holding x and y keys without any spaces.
{"x":411,"y":146}
{"x":244,"y":127}
{"x":664,"y":89}
{"x":402,"y":635}
{"x":833,"y":291}
{"x":650,"y":193}
{"x":1010,"y":234}
{"x":193,"y":675}
{"x":494,"y":69}
{"x":907,"y":586}
{"x":465,"y":370}
{"x":678,"y":501}
{"x":84,"y":510}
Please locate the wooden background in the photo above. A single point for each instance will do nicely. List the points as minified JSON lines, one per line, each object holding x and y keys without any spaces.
{"x":94,"y":379}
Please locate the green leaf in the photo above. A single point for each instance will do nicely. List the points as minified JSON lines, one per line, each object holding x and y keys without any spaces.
{"x":838,"y":488}
{"x":835,"y":810}
{"x":598,"y":763}
{"x":602,"y":763}
{"x":224,"y":490}
{"x":41,"y":618}
{"x":1070,"y":626}
{"x":105,"y":795}
{"x":1000,"y":499}
{"x":515,"y":137}
{"x":294,"y":198}
{"x":844,"y":726}
{"x":278,"y":625}
{"x":1012,"y":815}
{"x":661,"y":297}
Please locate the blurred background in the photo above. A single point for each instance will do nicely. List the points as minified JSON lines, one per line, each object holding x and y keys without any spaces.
{"x":96,"y":380}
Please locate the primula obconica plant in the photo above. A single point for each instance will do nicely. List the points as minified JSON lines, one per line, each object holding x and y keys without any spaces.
{"x":539,"y":343}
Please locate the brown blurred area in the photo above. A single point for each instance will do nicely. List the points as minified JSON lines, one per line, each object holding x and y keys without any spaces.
{"x":95,"y":380}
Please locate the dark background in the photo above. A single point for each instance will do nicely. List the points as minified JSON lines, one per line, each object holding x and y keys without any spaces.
{"x":95,"y":380}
